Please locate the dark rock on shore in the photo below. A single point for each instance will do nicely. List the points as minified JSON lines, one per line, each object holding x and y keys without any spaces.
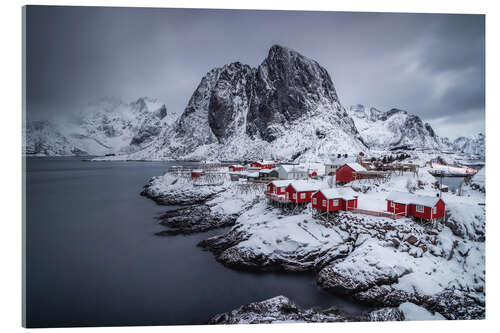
{"x":192,"y":219}
{"x":282,"y":309}
{"x":228,"y":253}
{"x":452,"y":304}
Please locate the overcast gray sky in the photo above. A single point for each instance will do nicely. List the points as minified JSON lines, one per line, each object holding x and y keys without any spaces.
{"x":430,"y":65}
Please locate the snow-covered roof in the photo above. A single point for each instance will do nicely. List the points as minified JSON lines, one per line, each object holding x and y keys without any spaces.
{"x":356,"y":166}
{"x":303,"y":186}
{"x":410,"y":198}
{"x":237,"y":165}
{"x":267,"y":162}
{"x":253,"y":174}
{"x":280,"y":183}
{"x":266,"y":170}
{"x":197,"y":170}
{"x":294,"y":168}
{"x":332,"y":193}
{"x":341,"y":160}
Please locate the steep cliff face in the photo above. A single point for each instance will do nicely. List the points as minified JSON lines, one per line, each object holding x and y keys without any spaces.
{"x":289,"y":86}
{"x":394,"y":128}
{"x":287,"y":108}
{"x":229,"y":102}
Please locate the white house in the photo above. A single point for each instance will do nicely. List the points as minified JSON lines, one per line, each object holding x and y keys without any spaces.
{"x":335,"y":163}
{"x":288,"y":171}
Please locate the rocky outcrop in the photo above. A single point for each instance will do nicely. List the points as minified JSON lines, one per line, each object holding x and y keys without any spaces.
{"x":451,"y":303}
{"x":260,"y":246}
{"x":282,"y":309}
{"x":192,"y":219}
{"x":178,"y":193}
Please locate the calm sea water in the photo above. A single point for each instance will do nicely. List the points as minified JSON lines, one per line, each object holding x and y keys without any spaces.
{"x":93,"y":259}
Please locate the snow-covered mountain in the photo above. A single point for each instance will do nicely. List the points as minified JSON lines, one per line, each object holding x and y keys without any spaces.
{"x":393,"y":128}
{"x":287,"y":107}
{"x":474,"y":145}
{"x":103,"y":127}
{"x":45,"y":139}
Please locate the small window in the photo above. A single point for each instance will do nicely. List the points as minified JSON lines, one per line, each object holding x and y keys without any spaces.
{"x":282,"y":188}
{"x":324,"y":203}
{"x":302,"y":195}
{"x":314,"y":201}
{"x":335,"y":202}
{"x":392,"y":204}
{"x":295,"y":195}
{"x":434,"y":210}
{"x":419,"y":208}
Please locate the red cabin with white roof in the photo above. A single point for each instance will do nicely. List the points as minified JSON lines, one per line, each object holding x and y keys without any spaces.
{"x":330,"y":200}
{"x":195,"y":173}
{"x":256,"y":165}
{"x":277,"y":187}
{"x":236,"y":168}
{"x":300,"y":191}
{"x":348,"y":172}
{"x":313,"y":174}
{"x":420,"y":206}
{"x":263,"y":165}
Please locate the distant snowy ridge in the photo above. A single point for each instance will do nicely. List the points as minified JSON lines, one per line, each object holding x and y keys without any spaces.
{"x":394,"y":128}
{"x":287,"y":107}
{"x":474,"y":145}
{"x":108,"y":126}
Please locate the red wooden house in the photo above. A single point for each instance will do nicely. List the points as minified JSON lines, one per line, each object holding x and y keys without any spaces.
{"x":263,"y":165}
{"x":276,"y":190}
{"x":300,"y":191}
{"x":420,"y":206}
{"x":256,"y":165}
{"x":278,"y":186}
{"x":348,"y":173}
{"x":236,"y":168}
{"x":195,"y":173}
{"x":330,"y":200}
{"x":313,"y":174}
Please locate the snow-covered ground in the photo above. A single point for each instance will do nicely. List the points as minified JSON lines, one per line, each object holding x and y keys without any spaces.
{"x":373,"y":258}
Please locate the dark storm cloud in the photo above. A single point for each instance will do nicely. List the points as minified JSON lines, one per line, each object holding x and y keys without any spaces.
{"x":431,"y":65}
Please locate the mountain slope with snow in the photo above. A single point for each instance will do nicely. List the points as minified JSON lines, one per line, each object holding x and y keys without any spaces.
{"x":286,"y":108}
{"x":44,"y":139}
{"x":394,"y":128}
{"x":108,"y":126}
{"x":474,"y":145}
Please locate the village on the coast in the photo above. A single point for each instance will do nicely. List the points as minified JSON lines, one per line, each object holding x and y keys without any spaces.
{"x":327,"y":188}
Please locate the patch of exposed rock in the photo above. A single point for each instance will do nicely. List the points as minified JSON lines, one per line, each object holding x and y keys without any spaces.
{"x":263,"y":245}
{"x":452,"y":304}
{"x":192,"y":219}
{"x":281,"y":309}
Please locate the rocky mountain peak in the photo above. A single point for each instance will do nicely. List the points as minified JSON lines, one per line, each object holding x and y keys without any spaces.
{"x":238,"y":111}
{"x":287,"y":87}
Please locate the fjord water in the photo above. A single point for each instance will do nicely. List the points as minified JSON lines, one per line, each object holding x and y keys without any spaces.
{"x":92,"y":258}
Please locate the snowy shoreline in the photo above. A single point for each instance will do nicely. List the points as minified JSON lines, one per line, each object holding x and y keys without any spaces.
{"x":375,"y":260}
